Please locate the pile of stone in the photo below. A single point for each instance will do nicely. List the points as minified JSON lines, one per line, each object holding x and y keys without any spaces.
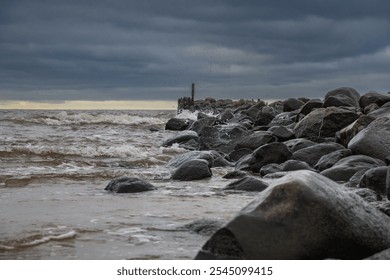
{"x":319,"y":167}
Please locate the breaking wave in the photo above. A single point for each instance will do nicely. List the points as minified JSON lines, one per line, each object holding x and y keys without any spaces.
{"x":85,"y":118}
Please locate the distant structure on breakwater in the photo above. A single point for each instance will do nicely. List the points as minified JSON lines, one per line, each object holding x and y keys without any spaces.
{"x":209,"y":103}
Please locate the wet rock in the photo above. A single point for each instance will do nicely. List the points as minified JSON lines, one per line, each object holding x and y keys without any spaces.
{"x":196,"y":169}
{"x":374,"y":140}
{"x":292,"y":104}
{"x":344,"y":96}
{"x":205,"y":226}
{"x":255,"y":140}
{"x":336,"y":118}
{"x":249,"y":184}
{"x":182,"y":137}
{"x":373,"y":98}
{"x":225,"y":116}
{"x":269,"y":153}
{"x":328,"y":160}
{"x":310,"y":106}
{"x":129,"y":185}
{"x":236,"y":174}
{"x":178,"y":160}
{"x":282,"y":133}
{"x":298,"y":144}
{"x":312,"y":154}
{"x":177,"y":124}
{"x":354,"y":181}
{"x":293,"y":165}
{"x":237,"y":154}
{"x":270,"y":168}
{"x":310,"y":125}
{"x":375,"y":179}
{"x":345,"y":168}
{"x":201,"y":123}
{"x":283,"y":119}
{"x":263,"y":118}
{"x":350,"y":131}
{"x":302,"y":216}
{"x":383,"y":111}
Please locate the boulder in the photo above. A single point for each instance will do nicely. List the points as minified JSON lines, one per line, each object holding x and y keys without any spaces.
{"x":375,"y":179}
{"x":269,"y":153}
{"x":350,"y":131}
{"x":182,"y":137}
{"x":345,"y":168}
{"x":344,"y":96}
{"x":129,"y":185}
{"x":328,"y":160}
{"x":298,"y":144}
{"x":270,"y":168}
{"x":368,"y":195}
{"x":247,"y":184}
{"x":310,"y":125}
{"x":373,"y":97}
{"x":292,"y":104}
{"x":310,"y":106}
{"x":255,"y":140}
{"x":196,"y":169}
{"x":202,"y":122}
{"x":374,"y":140}
{"x":282,"y":133}
{"x":312,"y":154}
{"x":383,"y":111}
{"x":205,"y":226}
{"x":225,"y":116}
{"x":178,"y":160}
{"x":302,"y":216}
{"x":283,"y":119}
{"x":237,"y":154}
{"x":336,"y":118}
{"x":293,"y":165}
{"x":177,"y":124}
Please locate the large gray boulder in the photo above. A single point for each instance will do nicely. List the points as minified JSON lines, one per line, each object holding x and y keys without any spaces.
{"x":195,"y":169}
{"x":310,"y":106}
{"x":255,"y":140}
{"x":336,"y":118}
{"x":298,"y":144}
{"x":247,"y":184}
{"x":177,"y":124}
{"x":182,"y":137}
{"x":328,"y":160}
{"x":345,"y":168}
{"x":375,"y":179}
{"x":373,"y":98}
{"x":292,"y":104}
{"x":344,"y":96}
{"x":312,"y":154}
{"x":310,"y":125}
{"x":302,"y":216}
{"x":269,"y":153}
{"x":129,"y":185}
{"x":374,"y":140}
{"x":350,"y":131}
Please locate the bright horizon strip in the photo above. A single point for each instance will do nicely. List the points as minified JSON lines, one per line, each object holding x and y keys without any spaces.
{"x":90,"y":105}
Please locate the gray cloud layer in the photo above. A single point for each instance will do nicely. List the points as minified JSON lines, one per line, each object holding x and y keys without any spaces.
{"x":102,"y":50}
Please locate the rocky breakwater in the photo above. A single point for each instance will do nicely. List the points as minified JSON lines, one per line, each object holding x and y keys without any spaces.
{"x":319,"y":168}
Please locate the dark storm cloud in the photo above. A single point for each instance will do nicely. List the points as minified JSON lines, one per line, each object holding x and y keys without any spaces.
{"x":58,"y":50}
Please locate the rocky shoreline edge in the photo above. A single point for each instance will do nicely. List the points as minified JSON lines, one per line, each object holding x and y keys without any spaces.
{"x":327,"y":161}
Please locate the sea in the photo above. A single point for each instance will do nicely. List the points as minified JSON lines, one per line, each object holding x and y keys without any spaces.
{"x":54,"y":166}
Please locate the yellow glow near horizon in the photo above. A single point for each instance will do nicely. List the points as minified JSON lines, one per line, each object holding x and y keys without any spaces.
{"x":90,"y":105}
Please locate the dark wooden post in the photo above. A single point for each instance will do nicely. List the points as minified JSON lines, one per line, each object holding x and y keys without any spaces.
{"x":193,"y":93}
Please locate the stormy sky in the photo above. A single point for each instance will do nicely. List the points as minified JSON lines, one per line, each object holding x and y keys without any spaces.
{"x":154,"y":49}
